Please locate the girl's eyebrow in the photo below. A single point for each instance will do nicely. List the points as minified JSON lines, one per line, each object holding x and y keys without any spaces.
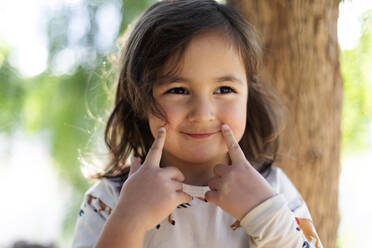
{"x":225,"y":78}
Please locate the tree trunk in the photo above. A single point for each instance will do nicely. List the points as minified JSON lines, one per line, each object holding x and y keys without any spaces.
{"x":301,"y":62}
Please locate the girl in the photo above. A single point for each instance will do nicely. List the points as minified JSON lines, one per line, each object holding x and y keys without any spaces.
{"x":202,"y":132}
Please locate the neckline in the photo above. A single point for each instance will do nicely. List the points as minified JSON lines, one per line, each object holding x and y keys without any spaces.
{"x":194,"y":190}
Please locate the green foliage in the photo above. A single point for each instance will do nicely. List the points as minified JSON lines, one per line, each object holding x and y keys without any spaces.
{"x":131,"y":10}
{"x":356,"y":70}
{"x":12,"y":91}
{"x":70,"y":108}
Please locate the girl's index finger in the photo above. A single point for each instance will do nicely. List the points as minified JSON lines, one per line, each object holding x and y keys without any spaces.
{"x":154,"y":155}
{"x":236,"y":153}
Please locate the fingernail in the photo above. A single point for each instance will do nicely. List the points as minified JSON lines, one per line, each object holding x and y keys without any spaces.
{"x":161,"y":130}
{"x":225,"y":127}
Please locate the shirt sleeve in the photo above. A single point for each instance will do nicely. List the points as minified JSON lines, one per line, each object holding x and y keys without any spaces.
{"x":94,"y":211}
{"x":282,"y":220}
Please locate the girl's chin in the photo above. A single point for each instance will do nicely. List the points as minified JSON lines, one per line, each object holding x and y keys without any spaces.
{"x":198,"y":158}
{"x":197,"y":154}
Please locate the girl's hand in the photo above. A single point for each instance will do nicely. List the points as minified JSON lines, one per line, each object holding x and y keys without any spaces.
{"x":150,"y":193}
{"x":237,"y":188}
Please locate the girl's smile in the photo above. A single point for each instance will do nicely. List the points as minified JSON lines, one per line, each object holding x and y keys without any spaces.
{"x":201,"y":135}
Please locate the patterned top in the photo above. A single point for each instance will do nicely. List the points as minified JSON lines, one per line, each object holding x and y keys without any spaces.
{"x":281,"y":221}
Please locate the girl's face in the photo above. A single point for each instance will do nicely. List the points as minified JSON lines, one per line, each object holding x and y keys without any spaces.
{"x":210,"y":89}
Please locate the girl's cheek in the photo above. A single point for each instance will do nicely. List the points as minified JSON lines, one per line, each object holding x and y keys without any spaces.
{"x":173,"y":112}
{"x":155,"y":123}
{"x":235,"y":116}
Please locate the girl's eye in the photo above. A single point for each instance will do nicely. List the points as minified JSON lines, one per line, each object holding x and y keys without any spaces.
{"x":178,"y":90}
{"x":225,"y":90}
{"x":183,"y":91}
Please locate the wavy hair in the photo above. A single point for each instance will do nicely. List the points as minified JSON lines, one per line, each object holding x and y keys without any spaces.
{"x":161,"y":33}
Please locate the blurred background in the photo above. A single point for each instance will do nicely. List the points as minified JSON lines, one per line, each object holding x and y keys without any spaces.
{"x":56,"y":74}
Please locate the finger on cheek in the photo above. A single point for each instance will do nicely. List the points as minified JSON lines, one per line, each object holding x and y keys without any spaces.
{"x":235,"y":152}
{"x":161,"y":132}
{"x":154,"y":155}
{"x":225,"y":128}
{"x":227,"y":134}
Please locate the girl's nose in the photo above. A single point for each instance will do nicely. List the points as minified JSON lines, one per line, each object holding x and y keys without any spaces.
{"x":201,"y":109}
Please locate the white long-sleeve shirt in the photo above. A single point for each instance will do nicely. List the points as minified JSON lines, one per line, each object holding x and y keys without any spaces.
{"x":281,"y":221}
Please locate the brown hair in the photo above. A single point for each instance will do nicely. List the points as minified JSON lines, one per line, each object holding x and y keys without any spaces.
{"x":161,"y":33}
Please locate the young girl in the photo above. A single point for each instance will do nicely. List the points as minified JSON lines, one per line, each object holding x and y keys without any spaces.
{"x":202,"y":133}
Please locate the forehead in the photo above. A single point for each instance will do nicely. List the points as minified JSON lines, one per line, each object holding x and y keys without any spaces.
{"x":211,"y":54}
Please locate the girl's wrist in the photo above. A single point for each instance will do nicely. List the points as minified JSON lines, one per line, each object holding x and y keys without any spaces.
{"x":267,"y":196}
{"x":120,"y":233}
{"x":127,"y":223}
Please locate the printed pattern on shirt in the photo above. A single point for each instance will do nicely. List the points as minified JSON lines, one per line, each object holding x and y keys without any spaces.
{"x":303,"y":224}
{"x":97,"y":205}
{"x":233,"y":226}
{"x":310,"y":234}
{"x":170,"y":220}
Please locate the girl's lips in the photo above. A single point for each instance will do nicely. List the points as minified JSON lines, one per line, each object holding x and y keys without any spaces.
{"x":200,"y":135}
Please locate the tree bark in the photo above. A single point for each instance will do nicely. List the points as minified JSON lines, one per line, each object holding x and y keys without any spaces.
{"x":301,"y":62}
